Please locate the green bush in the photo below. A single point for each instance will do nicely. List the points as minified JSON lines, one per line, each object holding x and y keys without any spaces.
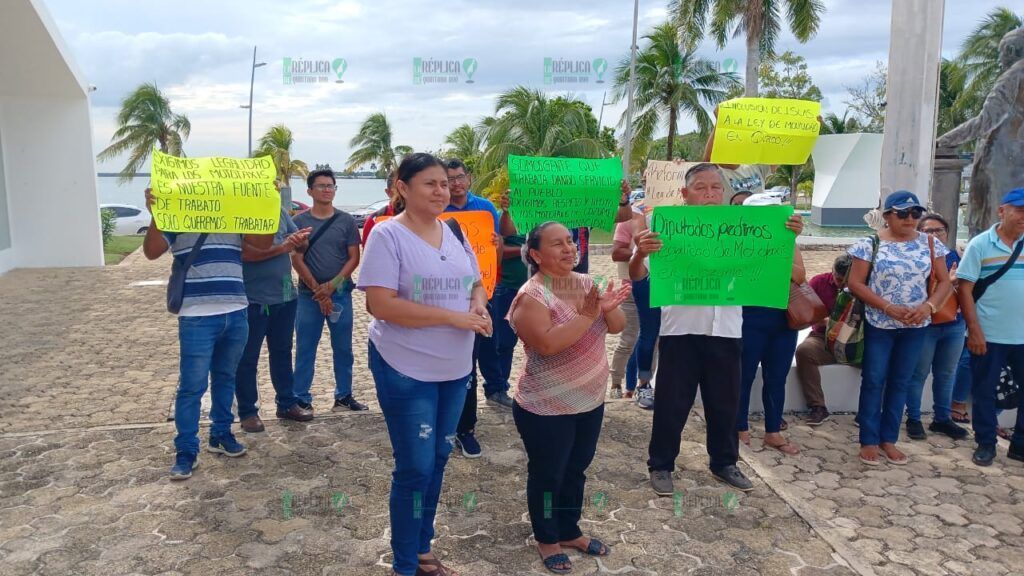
{"x":108,"y":221}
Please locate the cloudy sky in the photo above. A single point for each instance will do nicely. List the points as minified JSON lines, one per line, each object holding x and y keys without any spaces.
{"x":199,"y":53}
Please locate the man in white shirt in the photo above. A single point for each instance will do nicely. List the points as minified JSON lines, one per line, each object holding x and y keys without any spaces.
{"x":700,"y":347}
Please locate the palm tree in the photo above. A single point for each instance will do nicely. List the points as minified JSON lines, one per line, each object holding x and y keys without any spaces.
{"x":144,"y":122}
{"x":373,"y":145}
{"x":980,"y":51}
{"x":760,"y":20}
{"x":465,"y":142}
{"x":958,"y":103}
{"x":277,"y":143}
{"x":528,"y":123}
{"x":832,"y":124}
{"x":669,"y":84}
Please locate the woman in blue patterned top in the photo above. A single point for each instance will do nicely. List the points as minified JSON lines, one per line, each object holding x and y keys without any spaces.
{"x":893,"y":284}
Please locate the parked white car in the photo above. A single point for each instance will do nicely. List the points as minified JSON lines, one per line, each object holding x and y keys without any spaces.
{"x":130,"y":219}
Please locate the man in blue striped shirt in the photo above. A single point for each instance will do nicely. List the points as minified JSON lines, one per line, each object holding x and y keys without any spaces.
{"x":212,"y":332}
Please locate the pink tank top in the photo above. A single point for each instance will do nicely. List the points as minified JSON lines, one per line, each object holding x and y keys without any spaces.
{"x":572,"y":381}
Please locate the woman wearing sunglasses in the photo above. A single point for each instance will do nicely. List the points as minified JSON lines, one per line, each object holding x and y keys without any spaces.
{"x":892,"y":281}
{"x":943,"y":345}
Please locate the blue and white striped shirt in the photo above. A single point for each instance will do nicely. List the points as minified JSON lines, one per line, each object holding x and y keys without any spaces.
{"x":214,"y":283}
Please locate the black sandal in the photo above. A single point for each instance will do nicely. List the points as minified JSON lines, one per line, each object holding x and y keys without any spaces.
{"x":553,"y":562}
{"x":594,"y":548}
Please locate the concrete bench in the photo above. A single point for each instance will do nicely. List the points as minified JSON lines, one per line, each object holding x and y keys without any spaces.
{"x":841,"y":385}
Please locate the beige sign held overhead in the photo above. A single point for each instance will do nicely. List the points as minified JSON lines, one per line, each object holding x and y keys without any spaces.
{"x":664,"y":182}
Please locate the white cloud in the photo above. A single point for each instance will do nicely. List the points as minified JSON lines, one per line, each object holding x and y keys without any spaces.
{"x":203,"y":63}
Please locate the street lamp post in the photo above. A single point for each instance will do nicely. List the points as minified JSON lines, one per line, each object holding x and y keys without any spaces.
{"x":628,"y":144}
{"x":252,"y":80}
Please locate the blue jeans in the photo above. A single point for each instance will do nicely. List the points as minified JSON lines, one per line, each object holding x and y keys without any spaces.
{"x":632,"y":372}
{"x":210,"y":349}
{"x":769,"y":342}
{"x":890,"y":357}
{"x":940,"y":354}
{"x":309,"y":326}
{"x":421,"y":418}
{"x":650,"y":326}
{"x":494,"y":354}
{"x":985,"y":371}
{"x":276,"y":323}
{"x":962,"y":386}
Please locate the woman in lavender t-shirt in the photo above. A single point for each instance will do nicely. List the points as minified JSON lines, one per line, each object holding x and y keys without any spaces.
{"x":424,"y":292}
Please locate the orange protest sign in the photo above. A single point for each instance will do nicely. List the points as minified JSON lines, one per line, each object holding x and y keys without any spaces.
{"x":478,"y":227}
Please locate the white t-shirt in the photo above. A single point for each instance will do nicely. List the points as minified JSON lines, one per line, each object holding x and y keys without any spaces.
{"x":721,"y":321}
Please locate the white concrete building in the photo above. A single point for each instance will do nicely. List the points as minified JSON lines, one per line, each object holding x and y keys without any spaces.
{"x":49,"y":208}
{"x":847,"y":178}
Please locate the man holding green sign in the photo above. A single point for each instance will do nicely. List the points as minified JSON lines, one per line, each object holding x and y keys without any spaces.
{"x":702,"y":318}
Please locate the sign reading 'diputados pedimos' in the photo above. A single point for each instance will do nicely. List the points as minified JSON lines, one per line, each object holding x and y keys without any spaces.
{"x":722,"y":256}
{"x":215,"y":194}
{"x":573,"y":191}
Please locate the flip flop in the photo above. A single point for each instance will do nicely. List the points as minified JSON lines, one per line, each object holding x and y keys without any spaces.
{"x":441,"y":569}
{"x":876,"y":462}
{"x":960,"y":416}
{"x":739,"y":436}
{"x":552,"y":562}
{"x":787,"y":448}
{"x":895,"y":461}
{"x":594,"y":548}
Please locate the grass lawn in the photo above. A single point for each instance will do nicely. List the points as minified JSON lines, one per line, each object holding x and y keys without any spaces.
{"x":119,"y":247}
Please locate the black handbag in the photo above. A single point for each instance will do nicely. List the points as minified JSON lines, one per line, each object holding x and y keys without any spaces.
{"x":179,"y":271}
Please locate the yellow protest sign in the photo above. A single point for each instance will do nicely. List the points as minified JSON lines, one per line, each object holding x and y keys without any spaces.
{"x":664,"y":181}
{"x":765,"y":131}
{"x":215,"y":194}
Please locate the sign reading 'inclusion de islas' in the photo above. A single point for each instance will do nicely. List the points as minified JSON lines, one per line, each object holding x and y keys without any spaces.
{"x":442,"y":71}
{"x":303,"y":71}
{"x":569,"y":71}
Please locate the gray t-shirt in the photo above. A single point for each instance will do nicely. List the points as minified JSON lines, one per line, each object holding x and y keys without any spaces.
{"x":328,"y":256}
{"x":270,"y":281}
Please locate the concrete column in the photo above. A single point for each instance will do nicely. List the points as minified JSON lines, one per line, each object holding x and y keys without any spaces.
{"x":912,"y":96}
{"x":946,"y":183}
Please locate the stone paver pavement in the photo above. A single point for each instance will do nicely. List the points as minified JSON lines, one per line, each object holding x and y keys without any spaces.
{"x":88,"y":367}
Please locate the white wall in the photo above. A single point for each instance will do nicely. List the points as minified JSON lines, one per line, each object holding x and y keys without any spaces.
{"x":49,"y":165}
{"x":51,"y":183}
{"x":847,"y":178}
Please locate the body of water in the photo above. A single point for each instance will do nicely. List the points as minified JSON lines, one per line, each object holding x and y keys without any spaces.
{"x":352,"y":193}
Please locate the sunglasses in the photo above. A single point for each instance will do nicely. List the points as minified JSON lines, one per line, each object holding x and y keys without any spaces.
{"x":916,"y":213}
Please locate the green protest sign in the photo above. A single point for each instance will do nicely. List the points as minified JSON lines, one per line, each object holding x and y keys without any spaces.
{"x":722,"y":256}
{"x":574,"y":191}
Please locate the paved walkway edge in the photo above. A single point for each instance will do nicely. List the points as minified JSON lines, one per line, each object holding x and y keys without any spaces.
{"x":821,"y":526}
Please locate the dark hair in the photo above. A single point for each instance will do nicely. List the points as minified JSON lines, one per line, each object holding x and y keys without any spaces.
{"x":311,"y":178}
{"x":698,"y":168}
{"x":842,"y":264}
{"x":533,"y":243}
{"x":412,"y":165}
{"x":933,"y":216}
{"x":455,"y":164}
{"x":738,"y":194}
{"x":391,"y":179}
